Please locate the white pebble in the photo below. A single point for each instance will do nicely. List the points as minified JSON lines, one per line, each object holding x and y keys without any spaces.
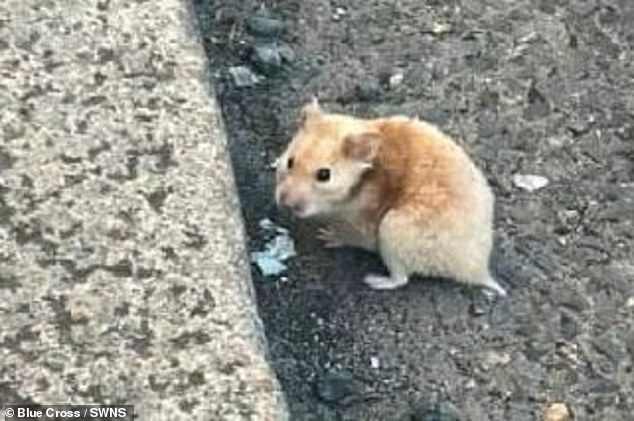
{"x":396,"y":79}
{"x":441,"y":28}
{"x":374,"y":362}
{"x":530,"y":182}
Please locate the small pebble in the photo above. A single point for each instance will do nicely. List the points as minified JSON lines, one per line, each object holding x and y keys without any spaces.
{"x":369,"y":90}
{"x":267,"y":58}
{"x":530,"y":37}
{"x":396,"y":79}
{"x":477,"y":309}
{"x":338,"y":14}
{"x":243,"y":77}
{"x":286,"y":52}
{"x":491,"y":359}
{"x":266,"y":224}
{"x":263,"y":25}
{"x":444,"y":411}
{"x":530,"y":182}
{"x":336,"y":387}
{"x":374,"y":362}
{"x":441,"y":28}
{"x":557,"y":412}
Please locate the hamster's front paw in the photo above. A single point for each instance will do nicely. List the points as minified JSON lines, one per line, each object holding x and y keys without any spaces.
{"x":329,"y":237}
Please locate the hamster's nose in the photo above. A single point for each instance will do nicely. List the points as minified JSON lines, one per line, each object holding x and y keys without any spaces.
{"x":291,"y":201}
{"x":282,"y":198}
{"x":298,"y":207}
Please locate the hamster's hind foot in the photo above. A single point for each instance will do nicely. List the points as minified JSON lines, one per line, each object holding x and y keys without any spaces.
{"x":493,"y":288}
{"x":385,"y":282}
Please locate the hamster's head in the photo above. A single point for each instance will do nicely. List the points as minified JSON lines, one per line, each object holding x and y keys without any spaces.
{"x":324,"y":163}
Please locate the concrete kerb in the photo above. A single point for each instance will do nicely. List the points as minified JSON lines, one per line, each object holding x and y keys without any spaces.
{"x":123,"y":269}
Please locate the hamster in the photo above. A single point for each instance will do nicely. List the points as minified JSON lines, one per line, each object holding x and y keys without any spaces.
{"x":396,"y":186}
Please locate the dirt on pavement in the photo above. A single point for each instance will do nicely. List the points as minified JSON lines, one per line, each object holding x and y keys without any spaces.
{"x":527,"y":87}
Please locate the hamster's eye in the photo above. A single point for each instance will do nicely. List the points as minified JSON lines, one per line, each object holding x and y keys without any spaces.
{"x":289,"y":163}
{"x":323,"y":175}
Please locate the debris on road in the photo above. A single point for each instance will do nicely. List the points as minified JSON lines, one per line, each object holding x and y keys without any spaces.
{"x":557,"y":412}
{"x":243,"y":77}
{"x":396,"y":79}
{"x":375,"y":363}
{"x":440,"y":28}
{"x":286,"y":52}
{"x":368,"y":90}
{"x":491,"y":359}
{"x":442,"y":411}
{"x":263,"y":24}
{"x":267,"y":58}
{"x":340,"y":12}
{"x":279,"y":249}
{"x":530,"y":182}
{"x":336,"y":388}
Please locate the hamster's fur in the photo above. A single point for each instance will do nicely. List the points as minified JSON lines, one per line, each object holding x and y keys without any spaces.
{"x":394,"y":185}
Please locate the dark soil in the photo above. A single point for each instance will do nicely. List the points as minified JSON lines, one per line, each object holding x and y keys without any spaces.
{"x":530,"y":87}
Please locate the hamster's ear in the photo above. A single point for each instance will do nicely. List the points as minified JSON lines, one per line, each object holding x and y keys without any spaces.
{"x":362,"y":147}
{"x":309,"y":111}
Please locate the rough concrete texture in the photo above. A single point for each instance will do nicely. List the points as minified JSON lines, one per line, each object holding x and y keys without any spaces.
{"x":122,"y":264}
{"x":528,"y":87}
